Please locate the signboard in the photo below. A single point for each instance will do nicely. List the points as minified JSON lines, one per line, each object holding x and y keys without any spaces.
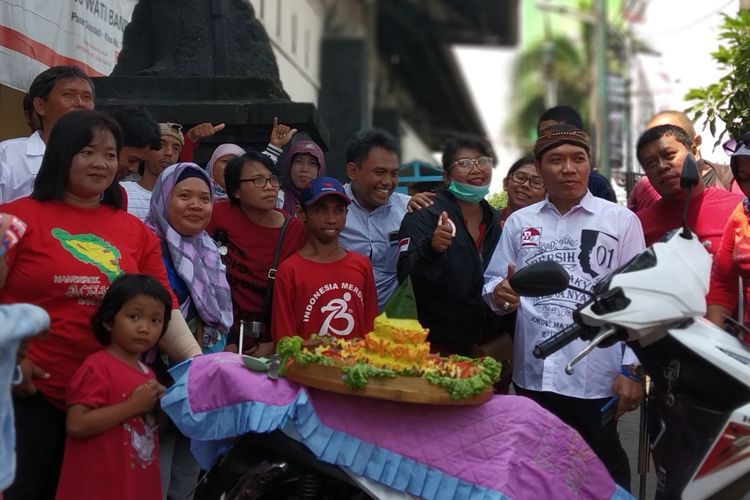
{"x":37,"y":34}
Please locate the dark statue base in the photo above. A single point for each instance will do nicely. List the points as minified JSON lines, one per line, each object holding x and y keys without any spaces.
{"x":246,"y":105}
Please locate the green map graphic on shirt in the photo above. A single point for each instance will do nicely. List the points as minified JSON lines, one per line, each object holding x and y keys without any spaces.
{"x":91,"y":249}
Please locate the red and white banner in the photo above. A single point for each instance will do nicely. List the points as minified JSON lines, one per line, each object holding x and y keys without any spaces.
{"x":37,"y":34}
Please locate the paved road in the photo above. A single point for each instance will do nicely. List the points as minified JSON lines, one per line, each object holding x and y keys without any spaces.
{"x":628,"y":427}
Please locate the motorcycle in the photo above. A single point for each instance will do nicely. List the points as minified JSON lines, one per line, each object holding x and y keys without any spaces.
{"x":700,"y":423}
{"x":272,"y":466}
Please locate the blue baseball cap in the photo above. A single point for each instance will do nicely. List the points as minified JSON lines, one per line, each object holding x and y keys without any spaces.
{"x":320,"y":187}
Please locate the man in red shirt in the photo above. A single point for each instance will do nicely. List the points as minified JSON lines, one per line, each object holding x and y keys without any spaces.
{"x":324,"y":289}
{"x":661,"y":153}
{"x":714,"y":175}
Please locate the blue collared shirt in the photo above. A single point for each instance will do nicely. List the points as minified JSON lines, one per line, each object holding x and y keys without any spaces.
{"x":374,"y":234}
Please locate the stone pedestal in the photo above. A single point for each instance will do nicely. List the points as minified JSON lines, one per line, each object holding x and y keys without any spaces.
{"x":246,"y":105}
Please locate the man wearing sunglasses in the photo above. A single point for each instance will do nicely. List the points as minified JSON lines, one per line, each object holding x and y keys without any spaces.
{"x":714,"y":175}
{"x":661,"y":152}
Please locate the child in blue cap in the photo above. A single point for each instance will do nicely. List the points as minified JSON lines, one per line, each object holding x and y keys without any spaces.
{"x":324,"y":289}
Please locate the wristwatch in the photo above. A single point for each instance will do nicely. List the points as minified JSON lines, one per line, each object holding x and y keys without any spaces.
{"x":633,"y":371}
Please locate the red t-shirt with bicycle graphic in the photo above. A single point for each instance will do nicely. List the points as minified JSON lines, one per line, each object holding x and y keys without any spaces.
{"x":333,"y":298}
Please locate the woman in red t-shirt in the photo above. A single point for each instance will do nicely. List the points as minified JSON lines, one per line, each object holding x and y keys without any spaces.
{"x":248,"y":227}
{"x":77,"y":242}
{"x":732,"y":259}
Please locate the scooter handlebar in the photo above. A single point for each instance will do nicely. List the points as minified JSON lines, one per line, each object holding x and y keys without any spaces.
{"x":557,"y":341}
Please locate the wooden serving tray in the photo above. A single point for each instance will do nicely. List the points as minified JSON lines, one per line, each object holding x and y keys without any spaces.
{"x":402,"y":389}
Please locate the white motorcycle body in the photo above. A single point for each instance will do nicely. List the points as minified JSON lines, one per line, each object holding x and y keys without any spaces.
{"x":701,"y":374}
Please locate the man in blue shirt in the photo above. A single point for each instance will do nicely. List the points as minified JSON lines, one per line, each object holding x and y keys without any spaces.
{"x":375,"y":213}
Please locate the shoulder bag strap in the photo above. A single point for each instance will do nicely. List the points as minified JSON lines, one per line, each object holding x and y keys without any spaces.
{"x":265,"y":315}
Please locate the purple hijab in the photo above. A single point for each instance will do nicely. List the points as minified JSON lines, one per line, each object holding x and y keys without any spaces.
{"x":291,"y":193}
{"x":195,"y":259}
{"x":221,"y":150}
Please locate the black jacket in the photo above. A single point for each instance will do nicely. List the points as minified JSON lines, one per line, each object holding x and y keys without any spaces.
{"x":448,"y":286}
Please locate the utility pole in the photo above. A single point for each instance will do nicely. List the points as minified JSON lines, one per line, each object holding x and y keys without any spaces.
{"x":550,"y":84}
{"x":602,"y":82}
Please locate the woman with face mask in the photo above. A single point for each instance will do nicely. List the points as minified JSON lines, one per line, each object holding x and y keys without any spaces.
{"x":444,"y":249}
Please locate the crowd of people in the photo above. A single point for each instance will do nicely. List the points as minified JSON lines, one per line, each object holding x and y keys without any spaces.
{"x":124,"y":258}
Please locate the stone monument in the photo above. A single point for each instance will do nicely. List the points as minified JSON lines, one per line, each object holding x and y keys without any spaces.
{"x":195,"y":61}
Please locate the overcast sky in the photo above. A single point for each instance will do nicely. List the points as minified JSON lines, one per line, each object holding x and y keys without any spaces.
{"x":685,"y":44}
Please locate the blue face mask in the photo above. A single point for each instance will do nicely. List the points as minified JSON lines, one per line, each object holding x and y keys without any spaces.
{"x":468,"y":192}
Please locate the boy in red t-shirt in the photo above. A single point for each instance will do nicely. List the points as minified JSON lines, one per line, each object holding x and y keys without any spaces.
{"x":323,"y":288}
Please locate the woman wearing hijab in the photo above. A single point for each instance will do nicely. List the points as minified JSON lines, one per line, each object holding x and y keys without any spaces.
{"x":218,"y":162}
{"x":303,"y":163}
{"x":181,"y":207}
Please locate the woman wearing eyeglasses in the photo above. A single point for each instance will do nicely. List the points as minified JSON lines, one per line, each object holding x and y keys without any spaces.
{"x":445,"y":248}
{"x":524,"y":186}
{"x":248,"y":227}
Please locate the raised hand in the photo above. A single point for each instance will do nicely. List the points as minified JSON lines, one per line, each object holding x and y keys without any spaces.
{"x":203,"y":130}
{"x":443,"y":235}
{"x":281,"y":134}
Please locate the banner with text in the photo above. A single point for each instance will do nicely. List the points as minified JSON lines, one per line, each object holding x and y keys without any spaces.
{"x":37,"y":34}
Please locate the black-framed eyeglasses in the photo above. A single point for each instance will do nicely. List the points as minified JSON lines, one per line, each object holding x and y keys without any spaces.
{"x":468,"y":163}
{"x":520,"y":178}
{"x":733,"y":145}
{"x":260,"y":182}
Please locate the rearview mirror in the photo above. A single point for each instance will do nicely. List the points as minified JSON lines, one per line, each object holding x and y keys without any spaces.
{"x":690,"y":176}
{"x":539,"y":279}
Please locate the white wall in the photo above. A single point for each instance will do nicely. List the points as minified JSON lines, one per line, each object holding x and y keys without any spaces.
{"x":412,"y":147}
{"x":685,"y":44}
{"x":295,"y":28}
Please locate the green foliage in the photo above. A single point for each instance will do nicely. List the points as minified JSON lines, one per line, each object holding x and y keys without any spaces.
{"x":402,"y":303}
{"x":728,"y":99}
{"x":569,"y":68}
{"x":499,"y":200}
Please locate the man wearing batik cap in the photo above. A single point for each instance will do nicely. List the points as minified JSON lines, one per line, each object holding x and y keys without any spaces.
{"x":139,"y":193}
{"x":591,"y":238}
{"x":323,"y":288}
{"x":661,"y":151}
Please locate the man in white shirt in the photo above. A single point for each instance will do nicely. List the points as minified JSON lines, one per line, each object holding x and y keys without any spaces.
{"x":376,"y":211}
{"x":590,"y":237}
{"x":139,"y":192}
{"x":53,"y":93}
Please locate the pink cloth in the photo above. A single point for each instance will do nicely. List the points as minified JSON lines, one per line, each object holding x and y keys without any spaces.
{"x":509,"y":444}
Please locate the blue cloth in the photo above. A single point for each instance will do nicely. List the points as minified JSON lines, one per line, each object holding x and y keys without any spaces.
{"x":182,"y":292}
{"x":375,"y":235}
{"x":601,"y":187}
{"x":212,"y":420}
{"x":19,"y":322}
